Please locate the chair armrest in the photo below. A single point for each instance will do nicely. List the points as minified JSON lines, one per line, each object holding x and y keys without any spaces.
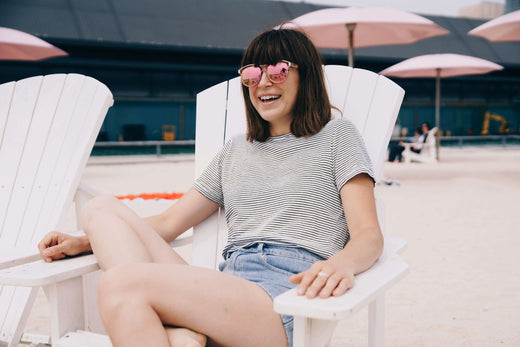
{"x":393,"y":245}
{"x":387,"y":271}
{"x":10,"y":257}
{"x":39,"y":273}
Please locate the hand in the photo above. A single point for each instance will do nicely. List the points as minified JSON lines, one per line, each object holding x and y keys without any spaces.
{"x":324,"y":278}
{"x":57,"y":245}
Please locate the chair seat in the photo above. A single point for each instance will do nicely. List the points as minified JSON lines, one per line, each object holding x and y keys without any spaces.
{"x":82,"y":338}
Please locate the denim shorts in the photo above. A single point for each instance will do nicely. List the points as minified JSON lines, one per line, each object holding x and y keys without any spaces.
{"x":270,"y":267}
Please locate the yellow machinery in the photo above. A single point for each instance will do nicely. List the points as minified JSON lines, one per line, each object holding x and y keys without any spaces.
{"x":168,"y":132}
{"x":504,"y":129}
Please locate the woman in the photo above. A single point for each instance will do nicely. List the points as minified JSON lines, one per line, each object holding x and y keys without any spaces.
{"x":289,"y":187}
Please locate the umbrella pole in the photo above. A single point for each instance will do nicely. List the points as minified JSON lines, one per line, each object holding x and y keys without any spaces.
{"x":350,"y":28}
{"x":438,"y":109}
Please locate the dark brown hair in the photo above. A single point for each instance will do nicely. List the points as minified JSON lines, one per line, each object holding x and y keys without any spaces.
{"x":312,"y":109}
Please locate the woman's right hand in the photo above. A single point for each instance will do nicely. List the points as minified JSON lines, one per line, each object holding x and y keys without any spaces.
{"x":56,"y":245}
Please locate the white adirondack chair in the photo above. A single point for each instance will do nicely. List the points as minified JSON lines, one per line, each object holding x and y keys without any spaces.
{"x":372,"y":103}
{"x":428,"y":153}
{"x":48,"y":126}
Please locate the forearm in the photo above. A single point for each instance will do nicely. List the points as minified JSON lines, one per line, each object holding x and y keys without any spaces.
{"x":165,"y":229}
{"x":361,"y":252}
{"x":187,"y":212}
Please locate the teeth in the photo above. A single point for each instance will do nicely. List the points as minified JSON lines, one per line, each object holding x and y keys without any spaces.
{"x":270,"y":97}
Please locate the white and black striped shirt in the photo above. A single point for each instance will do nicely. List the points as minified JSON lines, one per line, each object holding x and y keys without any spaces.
{"x":285,"y":191}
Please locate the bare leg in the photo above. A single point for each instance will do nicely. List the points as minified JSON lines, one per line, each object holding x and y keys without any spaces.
{"x":118,"y":236}
{"x":138,"y":295}
{"x":137,"y":299}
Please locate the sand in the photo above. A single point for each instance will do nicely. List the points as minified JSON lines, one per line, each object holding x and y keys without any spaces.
{"x":460,"y":218}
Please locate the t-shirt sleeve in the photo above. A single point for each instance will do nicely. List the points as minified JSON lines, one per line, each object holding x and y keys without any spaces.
{"x":209,"y":183}
{"x":350,"y":156}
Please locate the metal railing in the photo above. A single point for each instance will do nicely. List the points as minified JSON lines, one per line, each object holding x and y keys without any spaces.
{"x":130,"y":147}
{"x":474,"y":140}
{"x":188,"y":146}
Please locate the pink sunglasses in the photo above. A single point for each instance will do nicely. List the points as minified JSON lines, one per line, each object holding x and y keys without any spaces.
{"x":278,"y":73}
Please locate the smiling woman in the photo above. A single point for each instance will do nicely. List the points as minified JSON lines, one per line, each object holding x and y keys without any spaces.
{"x":278,"y":238}
{"x":302,"y":87}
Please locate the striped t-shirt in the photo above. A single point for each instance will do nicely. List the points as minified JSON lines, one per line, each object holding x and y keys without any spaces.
{"x":285,"y":191}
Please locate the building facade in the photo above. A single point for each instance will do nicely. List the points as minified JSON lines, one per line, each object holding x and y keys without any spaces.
{"x":156,"y":56}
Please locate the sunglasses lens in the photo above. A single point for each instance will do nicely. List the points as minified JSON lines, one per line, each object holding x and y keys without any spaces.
{"x":278,"y":73}
{"x":251,"y":76}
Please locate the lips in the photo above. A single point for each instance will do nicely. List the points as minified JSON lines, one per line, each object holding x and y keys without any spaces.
{"x":269,"y":98}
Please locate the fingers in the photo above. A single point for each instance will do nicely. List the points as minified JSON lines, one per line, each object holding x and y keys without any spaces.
{"x":323,"y":281}
{"x":53,"y":253}
{"x":48,"y":240}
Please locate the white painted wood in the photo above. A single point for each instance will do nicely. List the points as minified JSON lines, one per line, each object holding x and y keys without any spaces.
{"x":49,"y":160}
{"x":209,"y":137}
{"x":371,"y":102}
{"x":13,"y":142}
{"x":337,"y":81}
{"x":384,"y":108}
{"x":376,"y":322}
{"x":43,"y":114}
{"x":93,"y":322}
{"x":40,"y":273}
{"x":312,"y":332}
{"x":83,"y":339}
{"x":17,"y":303}
{"x":368,"y":286}
{"x":236,"y":122}
{"x":66,"y":303}
{"x":35,"y":122}
{"x":359,"y":97}
{"x":6,"y":94}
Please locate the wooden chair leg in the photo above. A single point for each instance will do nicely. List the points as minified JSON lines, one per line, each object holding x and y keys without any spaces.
{"x":312,"y":332}
{"x":376,"y":322}
{"x":67,"y":306}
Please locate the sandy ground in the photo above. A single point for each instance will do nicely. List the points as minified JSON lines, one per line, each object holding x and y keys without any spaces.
{"x":460,"y":218}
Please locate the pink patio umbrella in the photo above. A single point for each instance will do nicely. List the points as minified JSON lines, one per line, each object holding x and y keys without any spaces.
{"x":17,"y":45}
{"x":503,"y":28}
{"x":438,"y":66}
{"x":350,"y":27}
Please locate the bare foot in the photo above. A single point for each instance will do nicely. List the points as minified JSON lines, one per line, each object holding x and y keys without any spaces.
{"x":182,"y":337}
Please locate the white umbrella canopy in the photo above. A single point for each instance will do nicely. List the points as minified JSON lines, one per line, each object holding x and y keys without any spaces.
{"x":441,"y":65}
{"x":17,"y":45}
{"x":438,"y":66}
{"x":351,"y":27}
{"x":503,"y":28}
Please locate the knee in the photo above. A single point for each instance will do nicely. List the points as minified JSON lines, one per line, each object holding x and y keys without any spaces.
{"x":117,"y":287}
{"x":95,"y":208}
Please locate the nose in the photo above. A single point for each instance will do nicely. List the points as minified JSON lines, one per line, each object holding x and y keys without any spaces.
{"x":264,"y":81}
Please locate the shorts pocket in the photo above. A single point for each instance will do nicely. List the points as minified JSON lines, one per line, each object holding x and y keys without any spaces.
{"x":286,"y":265}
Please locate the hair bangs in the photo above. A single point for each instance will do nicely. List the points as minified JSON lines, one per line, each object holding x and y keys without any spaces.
{"x":269,"y":49}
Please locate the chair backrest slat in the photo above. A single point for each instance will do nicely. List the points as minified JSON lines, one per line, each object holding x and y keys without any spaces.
{"x":17,"y":125}
{"x":210,"y":130}
{"x":370,"y":101}
{"x":50,"y":128}
{"x":30,"y":161}
{"x":48,"y":125}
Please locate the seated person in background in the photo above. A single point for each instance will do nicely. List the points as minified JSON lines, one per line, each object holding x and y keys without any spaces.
{"x":417,"y":143}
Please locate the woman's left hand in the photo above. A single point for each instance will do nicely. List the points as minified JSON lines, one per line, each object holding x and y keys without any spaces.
{"x":324,"y":278}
